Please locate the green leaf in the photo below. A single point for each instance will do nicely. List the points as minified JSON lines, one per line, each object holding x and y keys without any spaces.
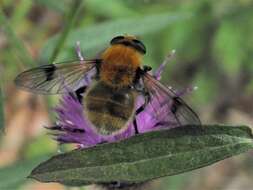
{"x":146,"y":156}
{"x":98,"y":35}
{"x":13,"y":176}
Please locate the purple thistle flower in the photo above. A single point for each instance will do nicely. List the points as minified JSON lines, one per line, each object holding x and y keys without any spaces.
{"x":73,"y":126}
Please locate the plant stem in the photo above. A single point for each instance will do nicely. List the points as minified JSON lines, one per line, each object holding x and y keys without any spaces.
{"x":71,"y":18}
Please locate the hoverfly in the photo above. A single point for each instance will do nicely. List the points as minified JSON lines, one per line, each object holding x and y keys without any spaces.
{"x":109,"y":103}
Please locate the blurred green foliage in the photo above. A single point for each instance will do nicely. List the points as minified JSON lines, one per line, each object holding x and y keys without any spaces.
{"x":1,"y":111}
{"x":213,"y":40}
{"x":92,"y":40}
{"x":12,"y":177}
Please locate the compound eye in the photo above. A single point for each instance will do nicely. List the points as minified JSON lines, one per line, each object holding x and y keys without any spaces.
{"x":139,"y":46}
{"x":117,"y":39}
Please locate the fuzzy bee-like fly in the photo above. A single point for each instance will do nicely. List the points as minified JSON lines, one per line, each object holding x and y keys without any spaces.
{"x":118,"y":79}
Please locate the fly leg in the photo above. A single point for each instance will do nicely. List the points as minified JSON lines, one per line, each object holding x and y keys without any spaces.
{"x":136,"y":131}
{"x":146,"y":101}
{"x":140,"y":109}
{"x":174,"y":108}
{"x":79,"y":93}
{"x":139,"y":87}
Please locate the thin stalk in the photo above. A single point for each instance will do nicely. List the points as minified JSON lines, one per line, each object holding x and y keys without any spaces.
{"x":71,"y":18}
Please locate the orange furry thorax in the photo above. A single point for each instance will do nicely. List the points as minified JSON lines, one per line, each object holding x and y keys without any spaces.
{"x":119,"y":66}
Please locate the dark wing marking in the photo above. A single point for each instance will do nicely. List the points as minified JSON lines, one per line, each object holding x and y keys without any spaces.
{"x":165,"y":103}
{"x":55,"y":78}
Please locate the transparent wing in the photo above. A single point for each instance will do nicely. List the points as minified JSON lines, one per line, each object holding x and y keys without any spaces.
{"x":55,"y":78}
{"x":165,"y":103}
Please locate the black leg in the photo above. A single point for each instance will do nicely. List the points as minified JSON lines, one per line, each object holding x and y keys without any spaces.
{"x":79,"y":93}
{"x":139,"y":110}
{"x":146,"y":101}
{"x":139,"y":87}
{"x":135,"y":126}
